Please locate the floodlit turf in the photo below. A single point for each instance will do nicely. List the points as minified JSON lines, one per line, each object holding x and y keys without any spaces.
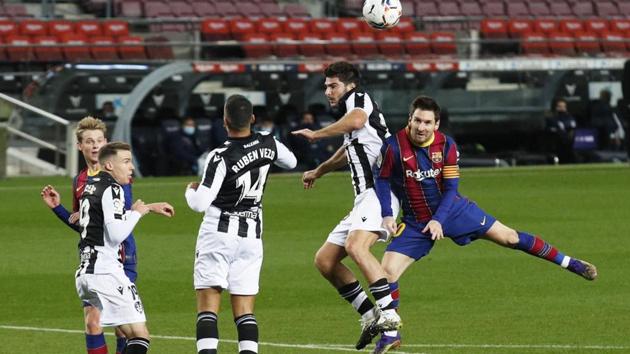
{"x":475,"y":299}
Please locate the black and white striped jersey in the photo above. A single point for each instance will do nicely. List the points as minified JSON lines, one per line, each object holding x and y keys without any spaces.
{"x":233,"y":182}
{"x":363,"y":145}
{"x":104,"y":224}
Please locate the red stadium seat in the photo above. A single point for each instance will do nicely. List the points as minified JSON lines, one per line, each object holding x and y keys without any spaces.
{"x":405,"y":25}
{"x":518,"y":27}
{"x":8,"y":28}
{"x":241,"y":27}
{"x":596,"y":26}
{"x":363,"y":45}
{"x":295,"y":26}
{"x":103,"y":48}
{"x":215,"y":30}
{"x":3,"y":51}
{"x":33,"y":28}
{"x":268,"y":26}
{"x":22,"y":49}
{"x":349,"y":25}
{"x":131,"y":48}
{"x":115,"y":28}
{"x":494,"y":28}
{"x":614,"y":42}
{"x":535,"y":43}
{"x":443,"y":43}
{"x":620,"y":25}
{"x":417,"y":44}
{"x":52,"y":52}
{"x":339,"y":46}
{"x":321,"y":26}
{"x":256,"y":45}
{"x":79,"y":51}
{"x":571,"y":26}
{"x":311,"y":45}
{"x":285,"y":45}
{"x":60,"y":27}
{"x":158,"y":47}
{"x":390,"y":43}
{"x":562,"y":43}
{"x":587,"y":43}
{"x":89,"y":28}
{"x":545,"y":26}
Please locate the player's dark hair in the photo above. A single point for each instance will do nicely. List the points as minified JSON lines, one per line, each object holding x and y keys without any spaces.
{"x":111,"y":149}
{"x":346,"y":72}
{"x":425,"y":103}
{"x":238,"y":112}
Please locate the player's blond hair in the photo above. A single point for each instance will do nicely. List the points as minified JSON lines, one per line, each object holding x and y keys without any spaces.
{"x":89,"y":123}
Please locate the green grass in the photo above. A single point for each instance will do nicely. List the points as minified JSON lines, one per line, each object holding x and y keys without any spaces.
{"x":485,"y":298}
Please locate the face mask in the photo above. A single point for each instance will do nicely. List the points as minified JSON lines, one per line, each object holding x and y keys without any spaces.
{"x":189,"y":130}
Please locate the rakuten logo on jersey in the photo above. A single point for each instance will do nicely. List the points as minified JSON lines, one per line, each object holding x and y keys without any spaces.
{"x":420,"y":175}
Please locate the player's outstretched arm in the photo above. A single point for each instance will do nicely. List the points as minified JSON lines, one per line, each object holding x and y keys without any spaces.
{"x":52,"y":199}
{"x":162,"y":208}
{"x":335,"y":162}
{"x":351,"y":121}
{"x":286,"y":159}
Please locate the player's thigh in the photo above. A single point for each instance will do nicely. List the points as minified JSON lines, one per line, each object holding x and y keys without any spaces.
{"x":244,"y":271}
{"x":501,"y":235}
{"x":242,"y":304}
{"x":329,"y":254}
{"x":366,"y":215}
{"x":213,"y":255}
{"x":209,"y":299}
{"x":121,"y":303}
{"x":395,"y":264}
{"x":361,"y":239}
{"x":135,"y":330}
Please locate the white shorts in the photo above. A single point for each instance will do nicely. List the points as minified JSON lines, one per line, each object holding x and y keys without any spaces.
{"x":228,"y":261}
{"x":365,"y":215}
{"x":114,"y":295}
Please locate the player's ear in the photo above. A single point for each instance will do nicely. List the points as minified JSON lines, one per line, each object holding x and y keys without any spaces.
{"x":252,"y":120}
{"x":437,"y":125}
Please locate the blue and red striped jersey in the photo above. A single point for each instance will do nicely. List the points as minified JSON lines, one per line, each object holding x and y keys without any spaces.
{"x":423,"y":178}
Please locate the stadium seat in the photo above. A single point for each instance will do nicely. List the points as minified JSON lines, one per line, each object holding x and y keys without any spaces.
{"x":8,"y":28}
{"x":295,"y":10}
{"x":348,"y":25}
{"x":427,"y":8}
{"x":321,"y":26}
{"x":204,"y":9}
{"x":21,"y":50}
{"x":560,"y":8}
{"x":130,"y":9}
{"x":449,"y":8}
{"x":620,"y":25}
{"x":606,"y":9}
{"x":271,"y":9}
{"x":597,"y":26}
{"x":60,"y":27}
{"x":363,"y":45}
{"x":52,"y":52}
{"x":562,"y":43}
{"x":78,"y":51}
{"x":539,"y":9}
{"x":408,"y":9}
{"x":33,"y":28}
{"x":443,"y":43}
{"x":339,"y":45}
{"x":115,"y":28}
{"x":89,"y":28}
{"x":571,"y":26}
{"x":268,"y":26}
{"x":390,"y":43}
{"x":405,"y":25}
{"x":3,"y":51}
{"x":470,"y":8}
{"x":250,"y":9}
{"x":158,"y":47}
{"x":215,"y":30}
{"x":583,"y":9}
{"x":624,"y":7}
{"x":239,"y":27}
{"x":545,"y":26}
{"x":516,"y":9}
{"x":131,"y":48}
{"x":156,"y":9}
{"x":182,"y":9}
{"x":518,"y":27}
{"x":102,"y":48}
{"x":614,"y":42}
{"x":295,"y":26}
{"x":256,"y":45}
{"x":311,"y":45}
{"x":587,"y":43}
{"x":491,"y":9}
{"x":285,"y":45}
{"x":417,"y":44}
{"x":534,"y":43}
{"x":494,"y":28}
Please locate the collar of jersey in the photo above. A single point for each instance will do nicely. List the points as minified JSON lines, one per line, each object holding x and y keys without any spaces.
{"x":250,"y":136}
{"x":92,"y":174}
{"x":422,"y":145}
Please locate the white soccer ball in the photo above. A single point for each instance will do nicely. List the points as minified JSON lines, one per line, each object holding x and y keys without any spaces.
{"x":382,"y":14}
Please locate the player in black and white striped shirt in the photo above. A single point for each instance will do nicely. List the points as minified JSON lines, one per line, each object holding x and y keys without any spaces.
{"x":364,"y":130}
{"x":229,"y":249}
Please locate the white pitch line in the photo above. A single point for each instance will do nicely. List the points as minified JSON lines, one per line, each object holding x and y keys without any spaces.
{"x":335,"y":347}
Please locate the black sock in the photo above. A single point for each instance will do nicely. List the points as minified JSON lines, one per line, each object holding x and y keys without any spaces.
{"x":356,"y":296}
{"x":207,"y":333}
{"x":247,"y":328}
{"x":137,"y":346}
{"x":382,"y":294}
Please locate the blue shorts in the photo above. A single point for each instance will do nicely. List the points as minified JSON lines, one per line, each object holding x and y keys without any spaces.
{"x":462,"y":227}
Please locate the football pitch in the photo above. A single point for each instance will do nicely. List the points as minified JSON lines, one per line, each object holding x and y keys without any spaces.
{"x":475,"y":299}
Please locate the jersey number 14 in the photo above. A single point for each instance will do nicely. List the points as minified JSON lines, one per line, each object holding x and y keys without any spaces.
{"x":255,"y":191}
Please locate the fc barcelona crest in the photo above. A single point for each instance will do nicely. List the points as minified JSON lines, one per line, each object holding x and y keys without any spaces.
{"x":436,"y":156}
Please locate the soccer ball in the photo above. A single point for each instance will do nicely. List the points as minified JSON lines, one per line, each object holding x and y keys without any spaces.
{"x":382,"y":14}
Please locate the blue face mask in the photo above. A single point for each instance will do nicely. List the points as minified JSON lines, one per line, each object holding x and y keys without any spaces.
{"x":189,"y":130}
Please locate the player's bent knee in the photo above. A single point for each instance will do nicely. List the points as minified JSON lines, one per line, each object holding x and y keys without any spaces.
{"x":93,"y":327}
